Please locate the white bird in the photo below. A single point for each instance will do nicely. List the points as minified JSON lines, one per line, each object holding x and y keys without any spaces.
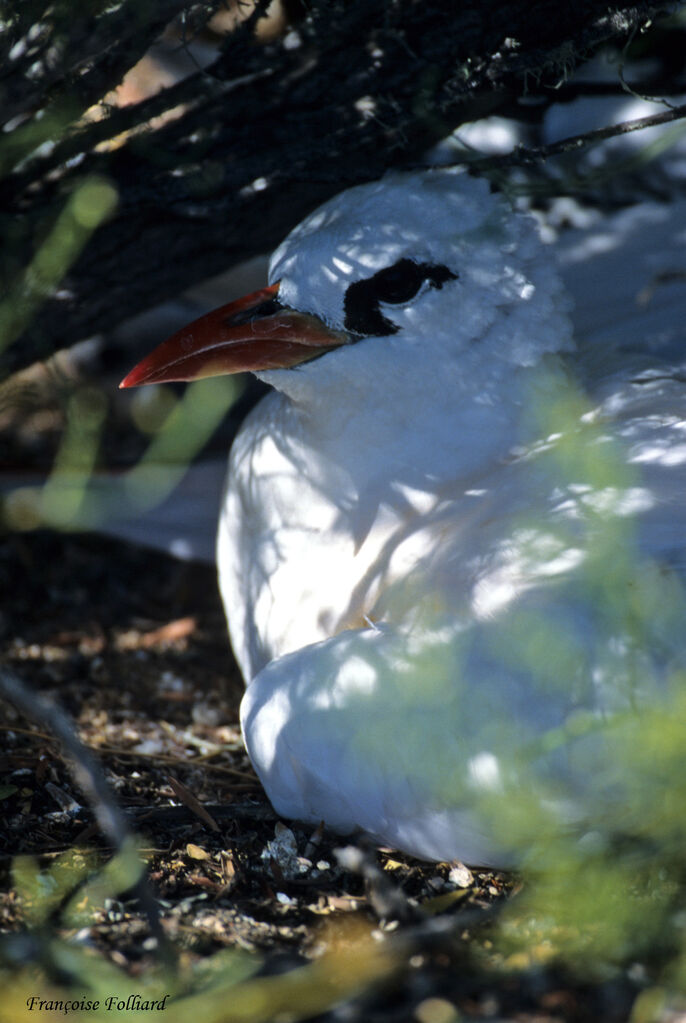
{"x":451,"y":546}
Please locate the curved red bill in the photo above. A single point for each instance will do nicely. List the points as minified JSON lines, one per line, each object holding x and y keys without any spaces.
{"x":252,"y":333}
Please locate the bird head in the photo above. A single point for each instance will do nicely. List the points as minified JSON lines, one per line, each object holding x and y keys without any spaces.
{"x":415,"y":270}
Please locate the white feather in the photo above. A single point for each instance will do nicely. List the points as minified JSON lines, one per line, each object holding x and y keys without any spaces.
{"x":420,"y":532}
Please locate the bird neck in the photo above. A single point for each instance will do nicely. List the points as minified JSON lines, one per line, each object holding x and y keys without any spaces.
{"x":413,"y":426}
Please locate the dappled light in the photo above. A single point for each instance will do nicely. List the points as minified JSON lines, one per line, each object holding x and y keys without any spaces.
{"x":436,"y":769}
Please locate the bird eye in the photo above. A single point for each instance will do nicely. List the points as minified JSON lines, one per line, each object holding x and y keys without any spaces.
{"x":399,"y":283}
{"x":394,"y":285}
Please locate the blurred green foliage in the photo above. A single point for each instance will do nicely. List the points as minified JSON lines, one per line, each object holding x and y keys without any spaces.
{"x":90,"y":203}
{"x":73,"y":498}
{"x":72,"y":893}
{"x":191,"y":421}
{"x":605,"y":886}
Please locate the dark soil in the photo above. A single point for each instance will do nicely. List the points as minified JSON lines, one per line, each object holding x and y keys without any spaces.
{"x":133,"y":645}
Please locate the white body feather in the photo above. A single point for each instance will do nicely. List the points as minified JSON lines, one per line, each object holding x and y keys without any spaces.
{"x":407,"y":517}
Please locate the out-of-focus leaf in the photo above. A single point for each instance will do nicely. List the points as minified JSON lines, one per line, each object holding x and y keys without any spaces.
{"x":42,"y":891}
{"x":123,"y":871}
{"x":89,"y":204}
{"x":347,"y":969}
{"x":184,"y":432}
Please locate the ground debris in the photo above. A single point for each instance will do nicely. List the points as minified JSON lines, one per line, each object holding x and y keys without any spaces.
{"x":130,"y":645}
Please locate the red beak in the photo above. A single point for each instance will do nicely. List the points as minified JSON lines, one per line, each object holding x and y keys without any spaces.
{"x":252,"y":333}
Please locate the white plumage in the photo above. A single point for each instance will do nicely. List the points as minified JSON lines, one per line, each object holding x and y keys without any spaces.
{"x":450,"y":552}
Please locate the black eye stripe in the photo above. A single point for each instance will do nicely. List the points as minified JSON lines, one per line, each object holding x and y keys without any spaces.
{"x":393,"y":285}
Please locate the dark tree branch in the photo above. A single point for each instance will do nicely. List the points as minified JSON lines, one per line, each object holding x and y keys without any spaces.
{"x":64,"y":58}
{"x":651,"y":89}
{"x":268,"y":131}
{"x":528,"y":154}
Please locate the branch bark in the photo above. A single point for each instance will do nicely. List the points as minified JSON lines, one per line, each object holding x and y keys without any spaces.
{"x":529,"y":154}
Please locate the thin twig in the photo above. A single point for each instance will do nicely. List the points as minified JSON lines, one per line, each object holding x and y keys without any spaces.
{"x":386,"y":898}
{"x":533,"y":154}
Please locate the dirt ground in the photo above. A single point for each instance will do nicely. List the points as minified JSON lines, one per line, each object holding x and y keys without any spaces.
{"x":133,"y":646}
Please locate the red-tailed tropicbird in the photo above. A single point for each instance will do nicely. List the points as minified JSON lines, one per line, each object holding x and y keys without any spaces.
{"x":449,"y":549}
